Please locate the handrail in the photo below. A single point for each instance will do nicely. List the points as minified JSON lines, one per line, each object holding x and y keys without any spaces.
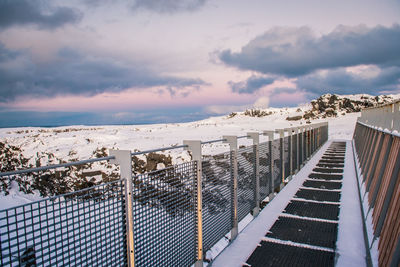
{"x":81,"y":162}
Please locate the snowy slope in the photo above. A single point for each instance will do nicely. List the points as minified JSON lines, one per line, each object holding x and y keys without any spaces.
{"x":43,"y":146}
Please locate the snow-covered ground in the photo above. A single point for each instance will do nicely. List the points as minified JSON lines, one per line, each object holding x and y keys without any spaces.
{"x":81,"y":142}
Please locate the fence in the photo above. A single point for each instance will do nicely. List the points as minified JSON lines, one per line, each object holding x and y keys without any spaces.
{"x":168,"y":217}
{"x":377,"y":143}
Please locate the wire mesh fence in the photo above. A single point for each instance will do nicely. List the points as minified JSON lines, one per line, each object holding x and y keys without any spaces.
{"x":246,"y":181}
{"x":89,"y":226}
{"x":86,"y":227}
{"x":164,"y":216}
{"x":294,"y":151}
{"x":286,"y":156}
{"x":276,"y":157}
{"x":217,"y":198}
{"x":265,"y":171}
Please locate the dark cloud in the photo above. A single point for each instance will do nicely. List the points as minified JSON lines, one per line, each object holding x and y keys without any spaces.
{"x":294,"y":52}
{"x":251,"y":85}
{"x":341,"y":81}
{"x":72,"y":73}
{"x":168,"y":6}
{"x":36,"y":12}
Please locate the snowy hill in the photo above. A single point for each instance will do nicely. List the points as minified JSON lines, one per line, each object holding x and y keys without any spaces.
{"x":33,"y":147}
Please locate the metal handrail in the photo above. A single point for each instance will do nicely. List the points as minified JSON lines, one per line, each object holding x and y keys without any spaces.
{"x":55,"y":166}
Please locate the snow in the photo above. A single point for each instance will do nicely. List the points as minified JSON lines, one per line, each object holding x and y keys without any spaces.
{"x":350,"y":242}
{"x":238,"y":252}
{"x":80,"y":142}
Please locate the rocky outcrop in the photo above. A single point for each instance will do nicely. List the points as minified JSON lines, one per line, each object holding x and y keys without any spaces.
{"x":329,"y":105}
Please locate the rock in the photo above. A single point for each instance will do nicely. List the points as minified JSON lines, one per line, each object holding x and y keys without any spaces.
{"x":294,"y":118}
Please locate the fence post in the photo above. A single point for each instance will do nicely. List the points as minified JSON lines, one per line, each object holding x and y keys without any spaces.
{"x":194,"y":146}
{"x":282,"y":149}
{"x":232,"y":141}
{"x":290,"y":136}
{"x":256,"y":141}
{"x":124,"y":159}
{"x":270,"y":135}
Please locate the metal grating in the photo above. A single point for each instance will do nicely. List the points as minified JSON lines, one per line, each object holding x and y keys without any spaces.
{"x":322,"y":184}
{"x":318,"y":195}
{"x":86,"y":227}
{"x":315,"y":233}
{"x":277,"y":162}
{"x":275,"y":254}
{"x":246,"y":181}
{"x":164,"y":217}
{"x":286,"y":158}
{"x":217,"y":198}
{"x":294,"y":151}
{"x":313,"y":210}
{"x":325,"y":176}
{"x":265,"y":174}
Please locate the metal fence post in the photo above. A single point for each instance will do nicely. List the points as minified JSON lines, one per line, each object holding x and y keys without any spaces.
{"x":289,"y":130}
{"x":124,"y":159}
{"x":256,"y":141}
{"x":282,"y":149}
{"x":270,"y":135}
{"x":194,"y":146}
{"x":232,"y":141}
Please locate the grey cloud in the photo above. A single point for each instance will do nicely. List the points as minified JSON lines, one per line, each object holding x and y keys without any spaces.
{"x":293,"y":52}
{"x":251,"y":85}
{"x":342,"y":82}
{"x":168,"y":6}
{"x":72,"y":73}
{"x":36,"y":12}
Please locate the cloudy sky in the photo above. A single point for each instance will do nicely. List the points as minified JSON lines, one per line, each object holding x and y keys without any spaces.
{"x":136,"y":61}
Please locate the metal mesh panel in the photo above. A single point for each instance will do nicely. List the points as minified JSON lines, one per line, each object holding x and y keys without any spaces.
{"x":286,"y":158}
{"x":265,"y":174}
{"x":217,"y":198}
{"x":84,"y":228}
{"x":305,"y":145}
{"x":277,"y":175}
{"x":246,"y":181}
{"x":164,"y":217}
{"x":294,"y":151}
{"x":301,"y":149}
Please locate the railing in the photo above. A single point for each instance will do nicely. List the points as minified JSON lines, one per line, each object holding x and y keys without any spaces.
{"x":168,"y":217}
{"x":377,"y":143}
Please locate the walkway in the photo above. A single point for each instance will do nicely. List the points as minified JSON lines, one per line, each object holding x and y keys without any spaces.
{"x":308,"y":223}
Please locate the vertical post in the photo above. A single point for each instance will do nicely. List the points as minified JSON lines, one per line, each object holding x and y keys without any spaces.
{"x":232,"y":141}
{"x":194,"y":146}
{"x":270,"y":135}
{"x":256,"y":141}
{"x":281,"y":138}
{"x":124,"y":159}
{"x":290,"y":137}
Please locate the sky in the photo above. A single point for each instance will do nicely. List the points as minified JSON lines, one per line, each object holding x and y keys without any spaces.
{"x":145,"y":61}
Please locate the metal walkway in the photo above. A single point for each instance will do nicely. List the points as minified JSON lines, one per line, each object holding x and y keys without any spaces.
{"x":305,"y":231}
